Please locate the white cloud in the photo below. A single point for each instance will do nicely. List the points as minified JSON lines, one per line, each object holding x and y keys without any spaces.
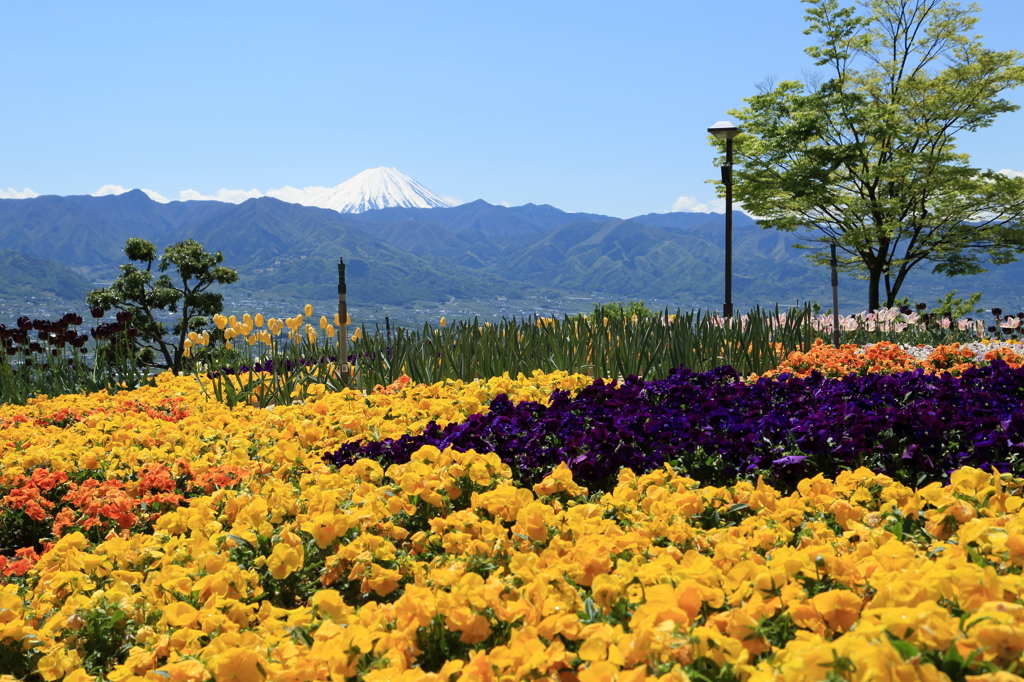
{"x":11,"y":193}
{"x":234,"y":196}
{"x":453,"y":201}
{"x":691,"y":205}
{"x":107,"y":190}
{"x":294,"y":195}
{"x":1012,"y":173}
{"x":155,"y":196}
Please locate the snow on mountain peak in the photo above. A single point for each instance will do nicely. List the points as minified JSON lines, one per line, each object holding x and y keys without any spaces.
{"x":378,"y":188}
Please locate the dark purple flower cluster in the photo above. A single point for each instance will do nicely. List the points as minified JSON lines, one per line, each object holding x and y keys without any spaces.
{"x":913,"y":426}
{"x":56,"y":334}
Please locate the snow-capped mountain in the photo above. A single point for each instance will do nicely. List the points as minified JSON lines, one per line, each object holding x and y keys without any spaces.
{"x":378,"y":188}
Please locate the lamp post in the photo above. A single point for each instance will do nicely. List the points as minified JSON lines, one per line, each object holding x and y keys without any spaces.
{"x":726,"y":130}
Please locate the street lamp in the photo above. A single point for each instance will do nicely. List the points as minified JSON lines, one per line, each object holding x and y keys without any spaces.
{"x":726,"y":130}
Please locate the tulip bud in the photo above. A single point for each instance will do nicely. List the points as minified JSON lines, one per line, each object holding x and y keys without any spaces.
{"x":358,"y":334}
{"x":330,"y":331}
{"x":247,"y":319}
{"x":336,"y":320}
{"x":220,"y":321}
{"x":444,"y":322}
{"x":323,"y":322}
{"x":232,"y":321}
{"x":308,"y":310}
{"x":259,"y":319}
{"x":96,"y":312}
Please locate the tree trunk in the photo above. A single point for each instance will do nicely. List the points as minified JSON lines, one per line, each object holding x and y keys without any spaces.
{"x":874,"y":281}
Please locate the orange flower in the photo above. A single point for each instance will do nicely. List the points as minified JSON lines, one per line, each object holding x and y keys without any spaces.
{"x":839,"y":608}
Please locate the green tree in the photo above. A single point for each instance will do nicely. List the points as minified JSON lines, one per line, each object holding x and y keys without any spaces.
{"x":865,"y":154}
{"x":141,"y":292}
{"x":620,"y":309}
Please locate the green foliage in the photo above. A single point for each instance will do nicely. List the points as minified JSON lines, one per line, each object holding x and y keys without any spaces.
{"x":866,"y":156}
{"x":142,"y":293}
{"x":958,"y":307}
{"x":618,"y":309}
{"x":609,"y":346}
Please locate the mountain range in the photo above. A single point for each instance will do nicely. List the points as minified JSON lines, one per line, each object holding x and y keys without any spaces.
{"x":397,"y":255}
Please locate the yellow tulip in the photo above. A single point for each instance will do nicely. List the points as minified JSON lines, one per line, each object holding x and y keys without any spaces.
{"x":444,"y":322}
{"x":247,"y":319}
{"x":259,"y":319}
{"x":308,"y":310}
{"x":232,"y":321}
{"x":336,"y":319}
{"x":330,"y":331}
{"x":348,"y":319}
{"x":323,"y":322}
{"x":220,"y":321}
{"x":358,"y":334}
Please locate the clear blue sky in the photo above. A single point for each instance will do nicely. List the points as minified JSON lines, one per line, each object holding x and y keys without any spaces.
{"x":588,"y":106}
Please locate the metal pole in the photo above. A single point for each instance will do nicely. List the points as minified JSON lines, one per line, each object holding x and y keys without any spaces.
{"x":342,"y":323}
{"x":835,"y":298}
{"x":727,"y":181}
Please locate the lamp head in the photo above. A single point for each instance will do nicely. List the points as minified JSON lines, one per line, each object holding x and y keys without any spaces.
{"x":724,"y":130}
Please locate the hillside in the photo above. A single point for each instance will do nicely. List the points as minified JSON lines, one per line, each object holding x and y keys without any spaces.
{"x":25,"y":276}
{"x":475,"y":251}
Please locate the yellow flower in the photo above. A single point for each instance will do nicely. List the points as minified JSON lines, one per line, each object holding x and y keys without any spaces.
{"x":236,"y":664}
{"x":444,"y":322}
{"x":839,"y":608}
{"x":358,"y":334}
{"x":180,"y":615}
{"x":607,"y":590}
{"x":323,"y":322}
{"x":284,"y":561}
{"x":308,"y":310}
{"x":259,"y":319}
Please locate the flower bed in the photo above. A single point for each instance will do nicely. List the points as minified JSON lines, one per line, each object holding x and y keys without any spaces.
{"x":913,"y":426}
{"x":154,"y":535}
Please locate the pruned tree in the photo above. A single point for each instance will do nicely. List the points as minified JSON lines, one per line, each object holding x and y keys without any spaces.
{"x":143,"y":293}
{"x":865,"y":154}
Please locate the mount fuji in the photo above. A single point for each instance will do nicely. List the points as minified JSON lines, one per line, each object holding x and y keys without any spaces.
{"x":378,"y":188}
